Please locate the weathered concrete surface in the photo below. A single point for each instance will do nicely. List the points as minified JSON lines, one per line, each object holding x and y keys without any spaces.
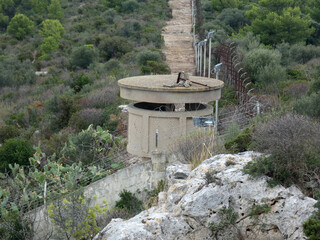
{"x":178,"y":38}
{"x":170,"y":125}
{"x":151,"y":89}
{"x":192,"y":202}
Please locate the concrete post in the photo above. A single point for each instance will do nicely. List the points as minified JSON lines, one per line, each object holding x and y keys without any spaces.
{"x":217,"y":120}
{"x":258,"y":107}
{"x":159,"y":161}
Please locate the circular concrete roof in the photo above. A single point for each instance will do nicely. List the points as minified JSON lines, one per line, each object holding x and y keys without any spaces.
{"x":151,"y":88}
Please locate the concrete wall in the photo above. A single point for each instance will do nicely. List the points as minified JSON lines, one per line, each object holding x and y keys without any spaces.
{"x":171,"y":126}
{"x":144,"y":175}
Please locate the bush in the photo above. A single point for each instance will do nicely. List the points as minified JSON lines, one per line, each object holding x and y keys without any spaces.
{"x":155,"y":68}
{"x":101,"y":98}
{"x":83,"y":56}
{"x":8,"y":131}
{"x":92,"y":116}
{"x":233,"y":17}
{"x":91,"y":145}
{"x":129,"y":6}
{"x":79,"y":81}
{"x":309,"y":105}
{"x":114,"y":47}
{"x":20,"y":26}
{"x":241,"y":143}
{"x":293,"y":144}
{"x":73,"y":218}
{"x":311,"y":227}
{"x":129,"y":202}
{"x":14,"y":151}
{"x":264,"y":66}
{"x":147,"y":55}
{"x":13,"y":72}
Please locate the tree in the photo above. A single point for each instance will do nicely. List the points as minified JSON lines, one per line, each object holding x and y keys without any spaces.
{"x":14,"y":72}
{"x":49,"y":44}
{"x":20,"y":26}
{"x":219,"y":5}
{"x":15,"y":151}
{"x":51,"y":32}
{"x":276,"y":5}
{"x":7,"y":7}
{"x":289,"y":26}
{"x":233,"y":17}
{"x":114,"y":47}
{"x":55,"y":11}
{"x":51,"y":28}
{"x":315,"y":10}
{"x":4,"y":20}
{"x":264,"y":66}
{"x":83,"y":56}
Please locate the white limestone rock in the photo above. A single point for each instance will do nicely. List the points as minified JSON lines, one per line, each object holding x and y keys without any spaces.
{"x":194,"y":201}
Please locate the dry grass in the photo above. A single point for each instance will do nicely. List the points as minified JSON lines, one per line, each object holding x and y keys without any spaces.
{"x":197,"y":147}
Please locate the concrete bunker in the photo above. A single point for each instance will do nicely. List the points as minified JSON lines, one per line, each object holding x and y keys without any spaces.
{"x":163,"y":112}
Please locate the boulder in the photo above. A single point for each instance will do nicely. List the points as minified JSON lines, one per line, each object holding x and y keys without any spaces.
{"x":217,"y":200}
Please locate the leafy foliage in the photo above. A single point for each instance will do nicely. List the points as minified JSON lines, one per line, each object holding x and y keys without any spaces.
{"x":20,"y":26}
{"x":83,"y":56}
{"x":14,"y":151}
{"x":129,"y":202}
{"x":13,"y":72}
{"x":264,"y":66}
{"x":73,"y":218}
{"x":241,"y":143}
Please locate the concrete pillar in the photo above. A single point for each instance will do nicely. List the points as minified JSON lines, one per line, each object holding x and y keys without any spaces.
{"x":159,"y":161}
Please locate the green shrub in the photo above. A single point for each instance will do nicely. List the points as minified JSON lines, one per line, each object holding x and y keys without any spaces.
{"x":8,"y":131}
{"x":311,"y":227}
{"x":147,"y":55}
{"x":73,"y":218}
{"x":66,"y":107}
{"x":129,"y":202}
{"x":154,"y":67}
{"x":91,"y":145}
{"x":315,"y":86}
{"x":114,"y":47}
{"x":227,"y":217}
{"x":14,"y":226}
{"x":15,"y":151}
{"x":79,"y":81}
{"x":233,"y":17}
{"x":14,"y":72}
{"x":309,"y":105}
{"x":129,"y":6}
{"x":83,"y":56}
{"x":20,"y":26}
{"x":264,"y":66}
{"x":241,"y":143}
{"x":111,"y":121}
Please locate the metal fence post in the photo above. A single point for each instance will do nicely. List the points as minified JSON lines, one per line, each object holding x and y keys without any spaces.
{"x":204,"y":57}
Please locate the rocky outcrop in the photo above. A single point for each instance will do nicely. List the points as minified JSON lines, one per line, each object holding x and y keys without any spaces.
{"x":218,"y":201}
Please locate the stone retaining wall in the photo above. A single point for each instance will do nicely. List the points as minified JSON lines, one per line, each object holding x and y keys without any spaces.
{"x":141,"y":176}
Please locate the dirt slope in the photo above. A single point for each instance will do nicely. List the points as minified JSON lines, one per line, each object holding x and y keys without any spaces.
{"x":178,"y":38}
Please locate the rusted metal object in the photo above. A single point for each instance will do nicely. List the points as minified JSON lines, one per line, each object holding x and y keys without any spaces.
{"x":183,"y":77}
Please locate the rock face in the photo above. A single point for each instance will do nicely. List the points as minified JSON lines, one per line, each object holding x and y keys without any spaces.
{"x":218,"y":201}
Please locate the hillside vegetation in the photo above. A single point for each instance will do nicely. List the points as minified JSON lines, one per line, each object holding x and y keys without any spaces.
{"x":60,"y":125}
